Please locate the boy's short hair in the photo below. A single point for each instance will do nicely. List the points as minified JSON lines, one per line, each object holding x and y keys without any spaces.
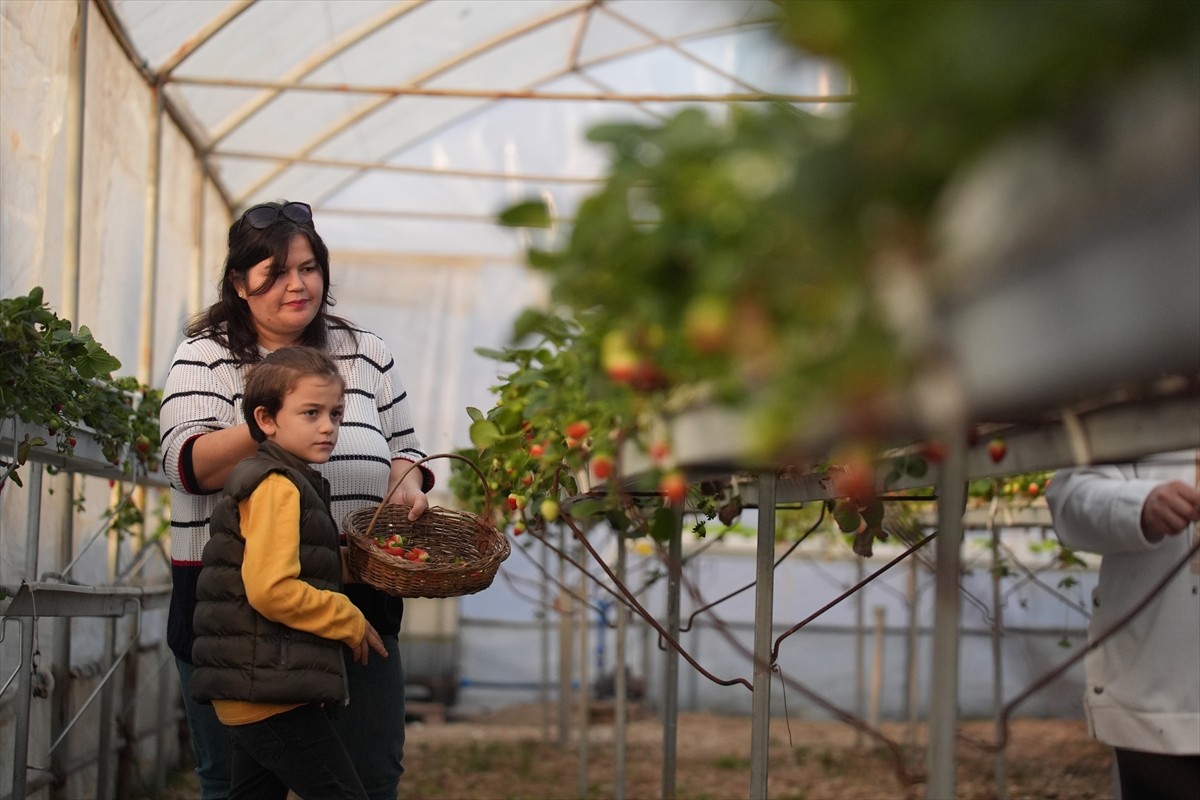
{"x":271,"y":379}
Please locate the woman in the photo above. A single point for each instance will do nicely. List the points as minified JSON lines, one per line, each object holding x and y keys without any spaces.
{"x":274,"y":293}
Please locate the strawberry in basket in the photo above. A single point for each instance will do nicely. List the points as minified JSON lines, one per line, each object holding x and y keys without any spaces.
{"x":392,"y":545}
{"x":417,"y":554}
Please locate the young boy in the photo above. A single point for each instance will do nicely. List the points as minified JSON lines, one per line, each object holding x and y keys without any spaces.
{"x":270,"y":617}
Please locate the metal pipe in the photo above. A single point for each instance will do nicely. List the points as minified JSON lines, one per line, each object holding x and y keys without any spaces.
{"x":912,"y":699}
{"x":764,"y":610}
{"x":73,"y":167}
{"x":620,"y":682}
{"x":150,"y":239}
{"x":859,"y":657}
{"x":877,"y":666}
{"x":671,"y":660}
{"x":393,"y":91}
{"x":60,"y":700}
{"x":24,"y":701}
{"x":543,"y":690}
{"x":584,"y":694}
{"x":997,"y":653}
{"x":564,"y":643}
{"x":943,"y":688}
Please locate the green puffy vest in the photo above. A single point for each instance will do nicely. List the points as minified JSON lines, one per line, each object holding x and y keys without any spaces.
{"x":238,"y":653}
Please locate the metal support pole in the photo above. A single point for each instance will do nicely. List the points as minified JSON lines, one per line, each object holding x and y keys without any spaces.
{"x":860,"y":703}
{"x":26,"y":667}
{"x":764,"y":619}
{"x":912,"y":695}
{"x":544,"y":645}
{"x":877,"y":666}
{"x":943,"y":691}
{"x":671,"y":660}
{"x":620,"y":683}
{"x":60,"y":664}
{"x":565,"y":606}
{"x":997,"y":654}
{"x":584,"y":692}
{"x":24,"y":704}
{"x":73,"y":168}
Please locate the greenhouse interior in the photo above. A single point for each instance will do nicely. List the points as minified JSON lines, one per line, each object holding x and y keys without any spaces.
{"x":763,"y":398}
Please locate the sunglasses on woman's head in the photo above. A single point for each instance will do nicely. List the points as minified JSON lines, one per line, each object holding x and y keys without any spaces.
{"x":265,"y":215}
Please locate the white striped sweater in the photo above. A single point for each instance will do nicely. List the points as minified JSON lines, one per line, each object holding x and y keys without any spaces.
{"x":203,"y":393}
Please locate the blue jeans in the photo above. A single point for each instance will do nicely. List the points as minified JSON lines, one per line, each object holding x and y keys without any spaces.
{"x":296,"y":750}
{"x":210,"y":740}
{"x":372,"y":726}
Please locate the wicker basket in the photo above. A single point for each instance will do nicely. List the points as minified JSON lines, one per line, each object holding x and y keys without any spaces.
{"x":465,"y":550}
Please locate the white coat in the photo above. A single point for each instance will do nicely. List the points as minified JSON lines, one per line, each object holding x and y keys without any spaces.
{"x":1143,"y":684}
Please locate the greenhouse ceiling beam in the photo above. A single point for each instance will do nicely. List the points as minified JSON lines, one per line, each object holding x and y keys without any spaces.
{"x":438,"y":172}
{"x":576,"y":47}
{"x":370,"y":108}
{"x":187,"y":127}
{"x":452,"y":216}
{"x":335,"y":48}
{"x":419,"y":260}
{"x":202,"y":36}
{"x":672,"y":45}
{"x":392,"y":92}
{"x":571,"y":67}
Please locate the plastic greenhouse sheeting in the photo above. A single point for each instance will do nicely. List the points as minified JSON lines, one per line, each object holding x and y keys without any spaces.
{"x":408,"y":124}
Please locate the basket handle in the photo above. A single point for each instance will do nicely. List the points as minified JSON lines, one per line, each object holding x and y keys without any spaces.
{"x":487,"y":494}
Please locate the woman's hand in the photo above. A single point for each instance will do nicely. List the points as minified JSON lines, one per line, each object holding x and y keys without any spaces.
{"x":409,"y":492}
{"x":370,"y":641}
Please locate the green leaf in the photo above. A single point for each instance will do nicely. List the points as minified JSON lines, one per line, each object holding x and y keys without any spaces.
{"x":530,"y":214}
{"x":916,"y":466}
{"x":873,"y":513}
{"x":586,"y":508}
{"x":484,"y":434}
{"x":847,"y":517}
{"x":663,"y":526}
{"x":475,"y":414}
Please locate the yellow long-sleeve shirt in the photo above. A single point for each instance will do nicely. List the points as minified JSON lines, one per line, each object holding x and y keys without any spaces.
{"x":270,"y":524}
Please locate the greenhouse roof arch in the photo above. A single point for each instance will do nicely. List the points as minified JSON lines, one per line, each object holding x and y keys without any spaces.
{"x":409,"y":124}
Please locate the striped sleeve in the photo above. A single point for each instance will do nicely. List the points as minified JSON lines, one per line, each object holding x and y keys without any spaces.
{"x":392,"y":402}
{"x":202,"y":394}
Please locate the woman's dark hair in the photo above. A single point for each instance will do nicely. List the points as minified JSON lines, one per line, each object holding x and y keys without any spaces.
{"x":270,"y":380}
{"x":228,"y":320}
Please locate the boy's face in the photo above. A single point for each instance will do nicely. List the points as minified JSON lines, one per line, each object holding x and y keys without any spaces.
{"x":307,"y":423}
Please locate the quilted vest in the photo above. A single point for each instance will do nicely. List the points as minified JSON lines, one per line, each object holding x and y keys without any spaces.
{"x":238,"y":653}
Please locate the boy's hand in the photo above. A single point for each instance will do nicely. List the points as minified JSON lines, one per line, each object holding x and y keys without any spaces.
{"x":370,"y":641}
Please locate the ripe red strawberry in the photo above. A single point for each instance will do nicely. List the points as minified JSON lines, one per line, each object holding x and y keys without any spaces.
{"x":1033,"y":489}
{"x":579,"y":429}
{"x":933,"y":451}
{"x":673,"y":487}
{"x":602,"y":467}
{"x":854,"y":479}
{"x":996,"y":449}
{"x":536,"y":450}
{"x":512,"y":502}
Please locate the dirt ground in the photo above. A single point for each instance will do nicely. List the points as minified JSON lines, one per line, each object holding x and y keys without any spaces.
{"x":504,"y":755}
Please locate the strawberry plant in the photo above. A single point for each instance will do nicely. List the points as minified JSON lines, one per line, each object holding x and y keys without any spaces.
{"x":558,"y":424}
{"x":60,"y":379}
